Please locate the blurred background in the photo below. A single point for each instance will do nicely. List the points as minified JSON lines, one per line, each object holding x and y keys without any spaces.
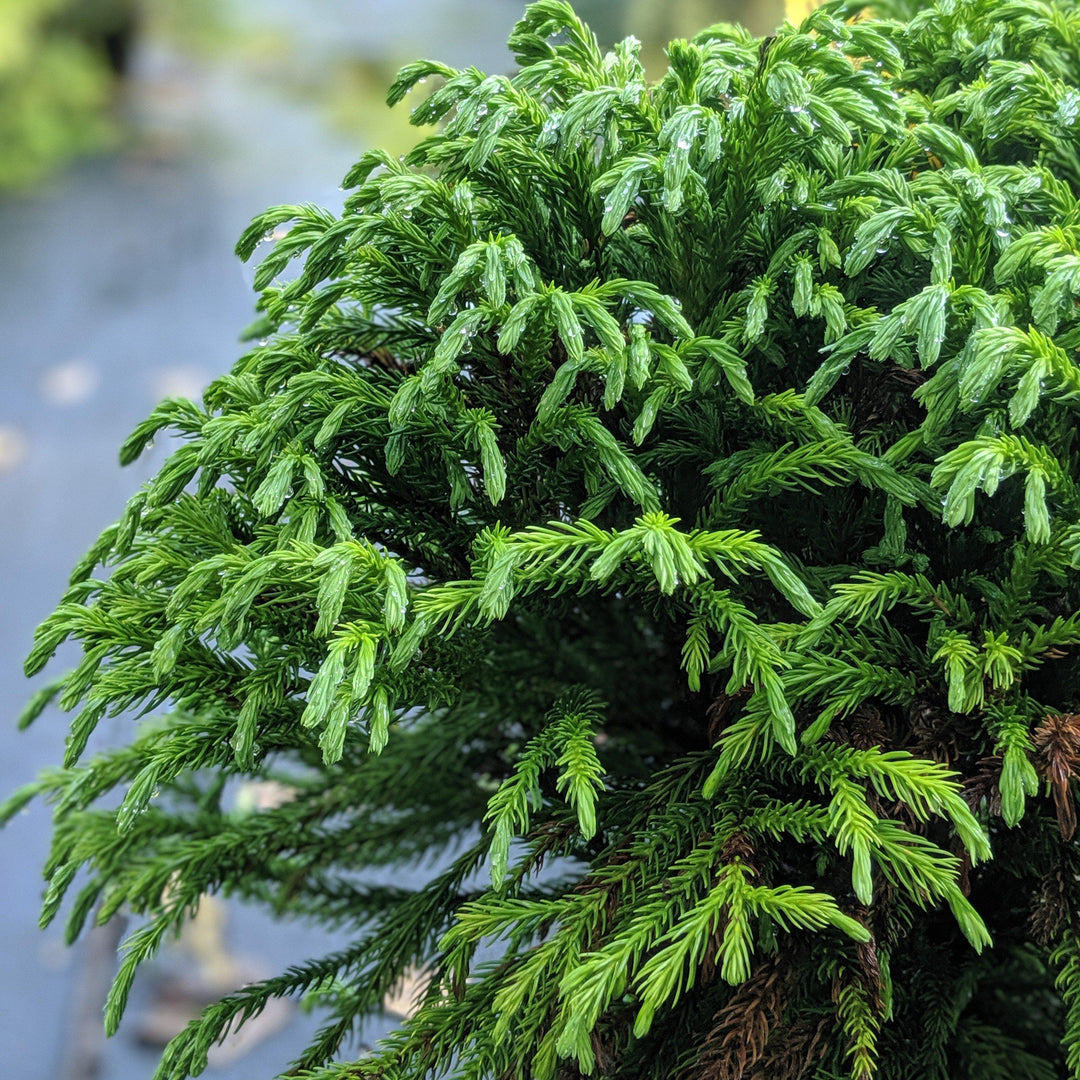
{"x":137,"y":139}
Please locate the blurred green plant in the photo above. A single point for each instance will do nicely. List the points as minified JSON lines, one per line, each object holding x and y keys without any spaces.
{"x":55,"y":86}
{"x":60,"y":62}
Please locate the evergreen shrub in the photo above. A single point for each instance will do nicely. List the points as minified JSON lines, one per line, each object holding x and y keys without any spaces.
{"x":656,"y":509}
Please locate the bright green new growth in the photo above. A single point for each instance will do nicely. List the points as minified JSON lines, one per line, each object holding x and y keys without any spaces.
{"x":671,"y":488}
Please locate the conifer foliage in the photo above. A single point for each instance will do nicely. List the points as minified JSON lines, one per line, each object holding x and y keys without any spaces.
{"x":659,"y":505}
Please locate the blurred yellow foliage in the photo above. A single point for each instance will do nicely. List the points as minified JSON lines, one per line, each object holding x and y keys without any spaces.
{"x":797,"y":10}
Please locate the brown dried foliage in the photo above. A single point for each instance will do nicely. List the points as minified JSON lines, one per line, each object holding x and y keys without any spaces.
{"x":984,"y":786}
{"x":751,"y":1039}
{"x":792,"y":1054}
{"x":1057,"y":747}
{"x":863,"y":730}
{"x":738,"y":848}
{"x":1050,"y":911}
{"x":869,"y":972}
{"x":719,"y":709}
{"x":741,"y":1029}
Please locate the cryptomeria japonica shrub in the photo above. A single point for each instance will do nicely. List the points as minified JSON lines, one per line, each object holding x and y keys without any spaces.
{"x":660,"y":504}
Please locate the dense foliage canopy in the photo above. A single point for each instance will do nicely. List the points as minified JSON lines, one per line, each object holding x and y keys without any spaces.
{"x":659,"y":504}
